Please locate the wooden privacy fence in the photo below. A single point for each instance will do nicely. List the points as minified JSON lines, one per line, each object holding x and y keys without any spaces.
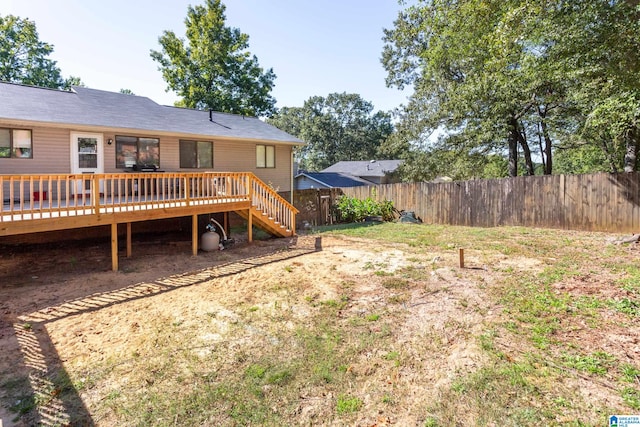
{"x":594,"y":202}
{"x":315,"y":206}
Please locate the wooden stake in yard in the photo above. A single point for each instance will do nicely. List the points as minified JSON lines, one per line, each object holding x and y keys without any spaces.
{"x":461,"y":254}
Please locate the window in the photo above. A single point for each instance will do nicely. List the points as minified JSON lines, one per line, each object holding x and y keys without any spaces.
{"x":196,"y":154}
{"x":15,"y":143}
{"x":132,"y":152}
{"x":87,"y":153}
{"x":265,"y":156}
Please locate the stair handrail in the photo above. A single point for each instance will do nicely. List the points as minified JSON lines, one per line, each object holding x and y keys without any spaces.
{"x":266,"y":200}
{"x":274,"y":193}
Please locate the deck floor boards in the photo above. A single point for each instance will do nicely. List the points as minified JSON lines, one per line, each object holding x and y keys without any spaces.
{"x":52,"y":209}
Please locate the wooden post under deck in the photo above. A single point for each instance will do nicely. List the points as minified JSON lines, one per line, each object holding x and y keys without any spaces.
{"x":128,"y":240}
{"x":194,"y":234}
{"x":249,"y":216}
{"x":114,"y":246}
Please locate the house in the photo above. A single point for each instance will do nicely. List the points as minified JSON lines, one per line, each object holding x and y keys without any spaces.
{"x":90,"y":158}
{"x":373,"y":171}
{"x":94,"y":131}
{"x":309,"y":180}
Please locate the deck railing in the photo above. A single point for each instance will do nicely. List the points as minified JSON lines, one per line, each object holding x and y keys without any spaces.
{"x":29,"y":197}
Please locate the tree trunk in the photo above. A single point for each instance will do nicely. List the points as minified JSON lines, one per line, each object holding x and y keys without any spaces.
{"x":527,"y":155}
{"x":516,"y":136}
{"x":513,"y":148}
{"x":631,"y":154}
{"x":548,"y":164}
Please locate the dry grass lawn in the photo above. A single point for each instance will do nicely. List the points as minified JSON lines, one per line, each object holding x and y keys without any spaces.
{"x":379,"y":327}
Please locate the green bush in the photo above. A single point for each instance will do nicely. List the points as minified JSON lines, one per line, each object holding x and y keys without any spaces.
{"x":350,"y":209}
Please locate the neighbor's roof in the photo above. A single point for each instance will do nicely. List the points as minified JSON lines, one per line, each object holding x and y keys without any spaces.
{"x":335,"y":180}
{"x":365,"y":167}
{"x":101,"y":109}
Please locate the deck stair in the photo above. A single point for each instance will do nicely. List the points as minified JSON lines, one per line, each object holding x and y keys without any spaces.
{"x":270,"y":211}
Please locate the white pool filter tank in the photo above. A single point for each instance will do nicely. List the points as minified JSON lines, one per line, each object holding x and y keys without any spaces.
{"x":210,"y":241}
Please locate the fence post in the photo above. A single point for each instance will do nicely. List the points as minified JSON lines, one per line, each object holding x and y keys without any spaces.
{"x":319,"y":208}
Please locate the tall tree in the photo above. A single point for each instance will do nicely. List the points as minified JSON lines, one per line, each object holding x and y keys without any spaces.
{"x":515,"y":77}
{"x":213,"y":68}
{"x":23,"y":57}
{"x":596,"y":45}
{"x":339,"y":127}
{"x":481,"y":67}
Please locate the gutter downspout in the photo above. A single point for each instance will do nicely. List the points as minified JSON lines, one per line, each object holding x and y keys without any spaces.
{"x":291,"y":169}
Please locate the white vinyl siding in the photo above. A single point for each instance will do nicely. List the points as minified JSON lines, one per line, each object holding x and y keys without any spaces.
{"x":50,"y":154}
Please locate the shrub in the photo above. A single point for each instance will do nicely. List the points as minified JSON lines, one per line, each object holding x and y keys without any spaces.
{"x":350,"y":209}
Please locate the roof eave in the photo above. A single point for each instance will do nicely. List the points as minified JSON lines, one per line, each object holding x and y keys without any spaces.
{"x":102,"y":128}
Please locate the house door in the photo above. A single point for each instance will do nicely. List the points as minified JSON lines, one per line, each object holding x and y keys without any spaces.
{"x":87,"y":157}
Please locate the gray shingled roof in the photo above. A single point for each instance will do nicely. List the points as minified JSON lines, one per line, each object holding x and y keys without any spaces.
{"x":365,"y":167}
{"x":335,"y":180}
{"x":102,"y":109}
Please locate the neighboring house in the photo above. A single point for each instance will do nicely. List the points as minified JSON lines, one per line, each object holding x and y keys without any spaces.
{"x":309,"y":180}
{"x":46,"y":131}
{"x":374,"y":171}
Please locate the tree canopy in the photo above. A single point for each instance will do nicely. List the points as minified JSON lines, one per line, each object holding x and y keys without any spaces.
{"x":516,"y":78}
{"x":25,"y":59}
{"x":338,"y":127}
{"x":598,"y":50}
{"x":212,"y":68}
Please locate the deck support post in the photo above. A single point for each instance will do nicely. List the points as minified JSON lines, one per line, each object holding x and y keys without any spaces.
{"x":128,"y":240}
{"x":194,"y":234}
{"x":250,"y":226}
{"x":114,"y":246}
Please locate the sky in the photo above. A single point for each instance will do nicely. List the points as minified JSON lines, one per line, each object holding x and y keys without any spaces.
{"x":315,"y":47}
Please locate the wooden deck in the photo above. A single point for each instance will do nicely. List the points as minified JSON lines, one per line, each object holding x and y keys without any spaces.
{"x":38,"y":203}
